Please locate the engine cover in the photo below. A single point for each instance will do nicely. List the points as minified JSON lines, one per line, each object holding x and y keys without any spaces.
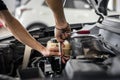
{"x":76,"y":70}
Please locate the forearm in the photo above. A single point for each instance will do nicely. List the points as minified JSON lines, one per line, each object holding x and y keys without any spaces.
{"x":19,"y":32}
{"x":57,"y":8}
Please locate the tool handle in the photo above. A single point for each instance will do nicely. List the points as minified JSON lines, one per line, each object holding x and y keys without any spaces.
{"x":61,"y":53}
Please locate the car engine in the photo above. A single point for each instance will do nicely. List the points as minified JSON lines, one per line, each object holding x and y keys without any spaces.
{"x":90,"y":58}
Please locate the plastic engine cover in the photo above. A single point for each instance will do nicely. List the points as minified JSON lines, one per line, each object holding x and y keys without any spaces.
{"x":76,"y":70}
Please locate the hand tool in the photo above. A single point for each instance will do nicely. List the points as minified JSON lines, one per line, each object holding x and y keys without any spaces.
{"x":61,"y":53}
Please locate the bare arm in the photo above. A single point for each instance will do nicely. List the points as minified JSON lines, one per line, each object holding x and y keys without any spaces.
{"x":57,"y":8}
{"x":60,"y":20}
{"x":20,"y":33}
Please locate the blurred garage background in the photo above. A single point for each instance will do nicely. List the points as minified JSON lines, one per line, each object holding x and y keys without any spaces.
{"x":14,"y":7}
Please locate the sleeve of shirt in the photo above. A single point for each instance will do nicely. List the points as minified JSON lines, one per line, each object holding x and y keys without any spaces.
{"x":2,"y":5}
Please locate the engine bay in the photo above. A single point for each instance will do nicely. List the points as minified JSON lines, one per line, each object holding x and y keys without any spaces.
{"x":90,"y":57}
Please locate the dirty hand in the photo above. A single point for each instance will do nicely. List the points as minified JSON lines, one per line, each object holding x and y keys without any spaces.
{"x":62,"y":34}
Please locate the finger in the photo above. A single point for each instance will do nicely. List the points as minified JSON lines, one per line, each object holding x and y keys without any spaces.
{"x":54,"y":49}
{"x":63,"y":36}
{"x":66,"y":57}
{"x":63,"y":45}
{"x":67,"y":35}
{"x":59,"y":39}
{"x":63,"y":60}
{"x":55,"y":54}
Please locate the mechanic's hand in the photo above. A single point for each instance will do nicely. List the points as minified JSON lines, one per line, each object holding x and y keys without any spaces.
{"x":50,"y":51}
{"x":54,"y":51}
{"x":62,"y":34}
{"x":64,"y":57}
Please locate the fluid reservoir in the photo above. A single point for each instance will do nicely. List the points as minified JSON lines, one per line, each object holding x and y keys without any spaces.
{"x":66,"y":46}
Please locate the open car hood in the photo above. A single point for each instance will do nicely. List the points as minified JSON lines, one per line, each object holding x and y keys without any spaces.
{"x":100,"y":6}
